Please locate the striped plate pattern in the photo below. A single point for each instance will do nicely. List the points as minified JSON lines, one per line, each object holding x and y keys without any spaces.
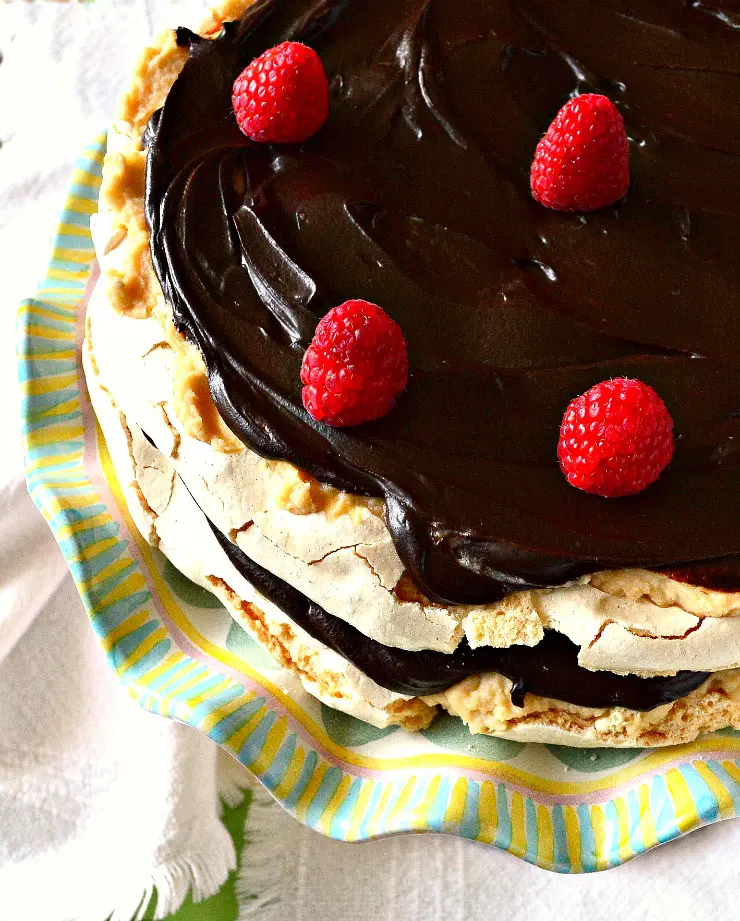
{"x":560,"y":820}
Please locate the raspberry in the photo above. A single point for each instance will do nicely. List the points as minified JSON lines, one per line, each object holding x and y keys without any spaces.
{"x":616,"y":438}
{"x":356,"y":365}
{"x":583,"y":161}
{"x":282,"y":97}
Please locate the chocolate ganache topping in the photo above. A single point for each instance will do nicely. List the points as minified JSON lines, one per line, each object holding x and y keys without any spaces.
{"x":415,"y":195}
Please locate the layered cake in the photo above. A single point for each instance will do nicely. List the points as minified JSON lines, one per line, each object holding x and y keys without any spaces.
{"x":416,"y":342}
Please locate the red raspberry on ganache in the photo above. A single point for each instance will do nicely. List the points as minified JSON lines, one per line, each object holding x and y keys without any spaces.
{"x":616,"y":438}
{"x":583,"y":161}
{"x":356,"y":366}
{"x":282,"y":97}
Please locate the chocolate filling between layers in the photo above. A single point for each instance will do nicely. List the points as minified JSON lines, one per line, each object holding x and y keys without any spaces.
{"x":415,"y":195}
{"x":549,"y":669}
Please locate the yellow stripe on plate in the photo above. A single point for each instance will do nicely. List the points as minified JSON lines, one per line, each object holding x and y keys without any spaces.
{"x":623,"y":828}
{"x":82,"y":205}
{"x":177,"y":694}
{"x":732,"y":770}
{"x":401,"y":802}
{"x":66,"y":408}
{"x":53,"y":294}
{"x":64,"y":254}
{"x":648,"y":835}
{"x":63,"y":531}
{"x":202,"y":696}
{"x":40,"y":386}
{"x":68,"y":275}
{"x":171,"y":660}
{"x":286,"y":785}
{"x":107,"y":572}
{"x":168,"y":687}
{"x":54,"y":433}
{"x":47,"y":332}
{"x":304,"y":801}
{"x":142,"y":649}
{"x":40,"y":463}
{"x":270,"y":747}
{"x":133,"y":582}
{"x":75,"y":481}
{"x":518,"y":844}
{"x":85,"y":178}
{"x":95,"y":154}
{"x":74,"y":230}
{"x":56,"y":504}
{"x":419,"y":816}
{"x":358,"y":813}
{"x":65,"y":355}
{"x":720,"y":791}
{"x":545,"y":842}
{"x":213,"y":719}
{"x":686,"y":815}
{"x":573,"y":839}
{"x":237,"y":740}
{"x":375,"y":825}
{"x":487,"y":812}
{"x":124,"y":629}
{"x":89,"y":553}
{"x":332,"y":807}
{"x":43,"y":313}
{"x":598,"y":825}
{"x":456,"y":804}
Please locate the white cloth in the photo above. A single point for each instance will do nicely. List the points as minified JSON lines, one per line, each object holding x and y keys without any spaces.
{"x":433,"y":878}
{"x":98,"y":799}
{"x":100,"y":802}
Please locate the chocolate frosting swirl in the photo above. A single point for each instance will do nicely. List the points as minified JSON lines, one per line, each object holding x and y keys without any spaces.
{"x":415,"y":195}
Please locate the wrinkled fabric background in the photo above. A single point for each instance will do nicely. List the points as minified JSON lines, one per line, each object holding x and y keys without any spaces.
{"x":95,"y":793}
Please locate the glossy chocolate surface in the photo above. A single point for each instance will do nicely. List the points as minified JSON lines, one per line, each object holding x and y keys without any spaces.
{"x":415,"y":195}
